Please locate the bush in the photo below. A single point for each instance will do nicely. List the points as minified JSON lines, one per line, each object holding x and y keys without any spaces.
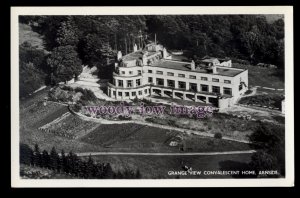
{"x":218,"y":135}
{"x":67,"y":88}
{"x":121,"y":117}
{"x":248,"y":92}
{"x":79,"y":89}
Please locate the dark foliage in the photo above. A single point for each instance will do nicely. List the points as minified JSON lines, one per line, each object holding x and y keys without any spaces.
{"x":72,"y":164}
{"x":33,"y":69}
{"x":269,"y":139}
{"x":98,"y":38}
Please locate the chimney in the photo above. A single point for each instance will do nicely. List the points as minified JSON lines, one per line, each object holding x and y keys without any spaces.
{"x":214,"y":69}
{"x":144,"y":59}
{"x":119,"y":56}
{"x":134,"y":48}
{"x":193,"y":65}
{"x":164,"y":53}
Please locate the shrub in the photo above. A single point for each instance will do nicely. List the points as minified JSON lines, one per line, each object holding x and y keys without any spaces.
{"x":121,"y":117}
{"x":149,"y":119}
{"x":248,"y":92}
{"x":218,"y":135}
{"x":79,"y":89}
{"x":67,"y":88}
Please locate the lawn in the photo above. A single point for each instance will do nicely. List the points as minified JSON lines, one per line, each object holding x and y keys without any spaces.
{"x":139,"y":138}
{"x":265,"y":77}
{"x":265,"y":100}
{"x":157,"y":167}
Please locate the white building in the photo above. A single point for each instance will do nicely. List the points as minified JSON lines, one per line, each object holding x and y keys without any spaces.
{"x":153,"y":72}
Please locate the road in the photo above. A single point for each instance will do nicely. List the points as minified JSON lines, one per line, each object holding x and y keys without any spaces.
{"x":165,"y":154}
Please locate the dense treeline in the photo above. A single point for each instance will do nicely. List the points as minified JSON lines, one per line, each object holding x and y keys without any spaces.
{"x":32,"y":67}
{"x":71,"y":164}
{"x":246,"y":37}
{"x":269,"y":141}
{"x":95,"y":40}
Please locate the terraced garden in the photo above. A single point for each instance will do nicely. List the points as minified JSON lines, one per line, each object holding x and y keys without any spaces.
{"x":139,"y":138}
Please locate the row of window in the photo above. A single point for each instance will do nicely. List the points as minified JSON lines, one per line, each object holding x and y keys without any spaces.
{"x":190,"y":76}
{"x":127,"y":94}
{"x":129,"y":83}
{"x":192,"y":86}
{"x":131,"y":72}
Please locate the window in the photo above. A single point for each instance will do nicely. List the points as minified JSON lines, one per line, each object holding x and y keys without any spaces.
{"x":160,"y":81}
{"x":119,"y":93}
{"x":215,"y":89}
{"x":204,"y":88}
{"x":133,"y":93}
{"x":227,"y":91}
{"x":129,"y":83}
{"x":140,"y":93}
{"x":114,"y":93}
{"x":120,"y":83}
{"x":170,"y":74}
{"x":171,"y":83}
{"x":204,"y":78}
{"x":240,"y":87}
{"x":139,"y":72}
{"x":123,"y":72}
{"x":130,"y":72}
{"x":193,"y":86}
{"x":159,"y":72}
{"x":181,"y":85}
{"x":215,"y":80}
{"x":150,"y":71}
{"x":181,"y":75}
{"x":145,"y":91}
{"x":150,"y":79}
{"x":138,"y":82}
{"x":192,"y":77}
{"x":227,"y":81}
{"x":126,"y":93}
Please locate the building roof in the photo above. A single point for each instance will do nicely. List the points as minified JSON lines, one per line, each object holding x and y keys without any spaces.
{"x":186,"y":66}
{"x":133,"y":56}
{"x":137,"y":55}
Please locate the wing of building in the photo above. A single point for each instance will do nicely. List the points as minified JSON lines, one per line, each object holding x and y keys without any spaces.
{"x":151,"y":71}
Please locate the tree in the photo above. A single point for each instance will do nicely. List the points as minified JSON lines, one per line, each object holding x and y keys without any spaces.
{"x":37,"y":158}
{"x":269,"y":138}
{"x":45,"y":159}
{"x":107,"y":171}
{"x":67,"y":33}
{"x":26,"y":154}
{"x":90,"y":167}
{"x":64,"y":63}
{"x":54,"y":159}
{"x":262,"y":161}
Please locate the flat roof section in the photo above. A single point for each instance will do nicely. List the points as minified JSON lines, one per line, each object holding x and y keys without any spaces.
{"x":133,"y":56}
{"x":185,"y":66}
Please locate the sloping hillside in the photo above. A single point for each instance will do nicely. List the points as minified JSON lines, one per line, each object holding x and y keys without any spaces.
{"x":27,"y":34}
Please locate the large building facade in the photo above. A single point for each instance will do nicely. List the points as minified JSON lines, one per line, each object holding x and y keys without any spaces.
{"x":153,"y":72}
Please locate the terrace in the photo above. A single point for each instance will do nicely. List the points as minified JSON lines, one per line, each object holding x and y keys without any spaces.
{"x":186,"y":66}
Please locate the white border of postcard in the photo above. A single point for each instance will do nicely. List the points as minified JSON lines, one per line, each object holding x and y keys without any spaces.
{"x":287,"y":11}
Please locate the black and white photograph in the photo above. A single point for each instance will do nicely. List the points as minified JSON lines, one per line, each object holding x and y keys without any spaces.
{"x":179,"y":96}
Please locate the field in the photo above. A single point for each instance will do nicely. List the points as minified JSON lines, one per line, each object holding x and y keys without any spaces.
{"x":265,"y":77}
{"x":157,"y":167}
{"x":139,"y":138}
